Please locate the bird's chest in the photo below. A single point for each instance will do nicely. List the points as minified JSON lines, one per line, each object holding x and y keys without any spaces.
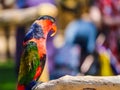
{"x":41,"y":48}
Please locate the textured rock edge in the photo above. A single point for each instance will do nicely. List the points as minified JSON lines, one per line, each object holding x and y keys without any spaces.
{"x":82,"y":83}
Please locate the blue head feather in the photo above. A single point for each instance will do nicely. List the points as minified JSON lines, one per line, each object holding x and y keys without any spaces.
{"x":34,"y":32}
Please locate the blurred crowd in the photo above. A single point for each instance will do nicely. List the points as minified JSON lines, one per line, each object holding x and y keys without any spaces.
{"x":88,"y":37}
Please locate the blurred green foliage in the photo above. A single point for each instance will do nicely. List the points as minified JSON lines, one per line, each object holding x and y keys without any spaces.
{"x":7,"y":76}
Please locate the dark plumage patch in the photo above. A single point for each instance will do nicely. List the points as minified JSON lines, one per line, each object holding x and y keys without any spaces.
{"x":42,"y":60}
{"x":34,"y":32}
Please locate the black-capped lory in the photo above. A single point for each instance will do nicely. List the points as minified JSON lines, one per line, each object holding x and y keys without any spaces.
{"x":34,"y":52}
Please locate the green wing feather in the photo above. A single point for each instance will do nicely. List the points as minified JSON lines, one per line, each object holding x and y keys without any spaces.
{"x":30,"y":60}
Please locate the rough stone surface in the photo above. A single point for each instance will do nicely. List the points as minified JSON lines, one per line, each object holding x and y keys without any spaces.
{"x":82,"y":83}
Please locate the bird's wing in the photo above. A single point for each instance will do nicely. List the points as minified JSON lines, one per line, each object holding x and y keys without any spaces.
{"x":29,"y":63}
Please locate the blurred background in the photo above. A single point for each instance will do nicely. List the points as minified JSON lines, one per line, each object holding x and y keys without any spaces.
{"x":87,"y":41}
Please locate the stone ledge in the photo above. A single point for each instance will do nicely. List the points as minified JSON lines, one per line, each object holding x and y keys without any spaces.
{"x":82,"y":83}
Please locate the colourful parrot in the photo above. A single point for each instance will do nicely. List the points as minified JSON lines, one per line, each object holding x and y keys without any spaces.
{"x":34,"y":52}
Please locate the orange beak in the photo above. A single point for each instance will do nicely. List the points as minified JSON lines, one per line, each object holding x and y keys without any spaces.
{"x":54,"y":29}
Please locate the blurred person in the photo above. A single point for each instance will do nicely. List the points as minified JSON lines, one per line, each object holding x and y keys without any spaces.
{"x":80,"y":37}
{"x":110,"y":10}
{"x":82,"y":32}
{"x":105,"y":56}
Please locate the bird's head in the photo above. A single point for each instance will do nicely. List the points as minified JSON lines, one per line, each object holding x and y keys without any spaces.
{"x":47,"y":23}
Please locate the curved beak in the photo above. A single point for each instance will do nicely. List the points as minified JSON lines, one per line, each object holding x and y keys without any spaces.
{"x":54,"y":29}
